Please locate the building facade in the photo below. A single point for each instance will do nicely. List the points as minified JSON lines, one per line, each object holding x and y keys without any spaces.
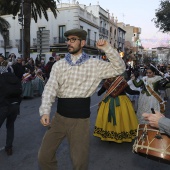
{"x":47,"y":38}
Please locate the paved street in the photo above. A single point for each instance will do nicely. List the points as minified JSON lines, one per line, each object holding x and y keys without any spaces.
{"x":103,"y":155}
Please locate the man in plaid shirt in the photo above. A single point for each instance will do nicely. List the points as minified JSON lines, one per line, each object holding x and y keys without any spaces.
{"x":74,"y":80}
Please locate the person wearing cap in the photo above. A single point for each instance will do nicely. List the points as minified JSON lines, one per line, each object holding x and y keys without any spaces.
{"x":73,"y":80}
{"x":159,"y":121}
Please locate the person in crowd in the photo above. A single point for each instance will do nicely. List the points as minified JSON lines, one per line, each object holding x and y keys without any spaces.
{"x":158,"y":120}
{"x":30,"y":65}
{"x":134,"y":98}
{"x":129,"y":70}
{"x":167,"y":87}
{"x":27,"y":86}
{"x":162,"y":68}
{"x":73,"y":80}
{"x":56,"y":58}
{"x":3,"y":64}
{"x":116,"y":119}
{"x":43,"y":68}
{"x":12,"y":58}
{"x":136,"y":68}
{"x":144,"y":70}
{"x":27,"y":60}
{"x":10,"y":99}
{"x":10,"y":63}
{"x":38,"y":82}
{"x":167,"y":73}
{"x":48,"y":67}
{"x":18,"y":68}
{"x":150,"y":85}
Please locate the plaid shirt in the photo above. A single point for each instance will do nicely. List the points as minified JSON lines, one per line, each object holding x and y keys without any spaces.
{"x":79,"y":81}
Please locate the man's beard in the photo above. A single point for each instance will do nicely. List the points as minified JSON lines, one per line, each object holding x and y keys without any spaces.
{"x":74,"y":50}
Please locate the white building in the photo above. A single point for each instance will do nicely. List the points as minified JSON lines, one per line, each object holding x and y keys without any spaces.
{"x":69,"y":16}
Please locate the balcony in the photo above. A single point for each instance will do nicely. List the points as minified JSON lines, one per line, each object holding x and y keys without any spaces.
{"x":83,"y":13}
{"x":104,"y":31}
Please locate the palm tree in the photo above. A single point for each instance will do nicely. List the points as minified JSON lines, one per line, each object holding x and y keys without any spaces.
{"x":32,"y":9}
{"x":3,"y":25}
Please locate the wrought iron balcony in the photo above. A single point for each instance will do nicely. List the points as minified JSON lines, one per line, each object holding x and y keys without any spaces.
{"x":103,"y":31}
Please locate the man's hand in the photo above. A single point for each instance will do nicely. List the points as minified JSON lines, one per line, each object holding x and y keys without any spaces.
{"x":101,"y":44}
{"x":45,"y":120}
{"x":153,"y":118}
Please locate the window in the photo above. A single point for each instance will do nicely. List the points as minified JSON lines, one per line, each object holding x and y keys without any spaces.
{"x":62,"y":30}
{"x":95,"y":36}
{"x":88,"y":36}
{"x":81,"y":27}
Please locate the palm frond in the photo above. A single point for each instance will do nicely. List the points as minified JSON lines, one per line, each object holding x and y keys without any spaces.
{"x":3,"y":24}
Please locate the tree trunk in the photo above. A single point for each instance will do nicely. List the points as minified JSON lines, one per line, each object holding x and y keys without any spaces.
{"x":27,"y":23}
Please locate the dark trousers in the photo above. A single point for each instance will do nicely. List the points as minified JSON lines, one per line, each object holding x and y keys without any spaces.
{"x":9,"y":112}
{"x":77,"y":132}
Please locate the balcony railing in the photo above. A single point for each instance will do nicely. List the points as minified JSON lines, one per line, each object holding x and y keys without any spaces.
{"x":103,"y":31}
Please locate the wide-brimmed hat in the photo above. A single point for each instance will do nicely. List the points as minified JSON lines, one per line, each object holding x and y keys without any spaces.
{"x":77,"y":32}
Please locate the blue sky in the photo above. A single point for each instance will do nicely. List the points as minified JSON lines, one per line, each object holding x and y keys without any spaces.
{"x":138,"y":13}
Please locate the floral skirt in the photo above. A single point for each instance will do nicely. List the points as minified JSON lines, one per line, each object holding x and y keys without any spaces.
{"x":116,"y":120}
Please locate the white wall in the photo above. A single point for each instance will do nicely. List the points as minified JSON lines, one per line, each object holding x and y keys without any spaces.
{"x":68,"y":16}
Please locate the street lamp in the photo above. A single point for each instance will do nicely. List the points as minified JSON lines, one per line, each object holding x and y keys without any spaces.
{"x":4,"y":33}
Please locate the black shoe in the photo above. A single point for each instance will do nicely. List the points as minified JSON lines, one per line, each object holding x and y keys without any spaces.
{"x":8,"y":151}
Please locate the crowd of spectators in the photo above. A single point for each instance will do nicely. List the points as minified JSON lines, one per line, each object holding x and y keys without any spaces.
{"x":32,"y":73}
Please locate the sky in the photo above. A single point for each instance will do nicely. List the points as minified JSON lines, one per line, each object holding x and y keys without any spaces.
{"x":138,"y":13}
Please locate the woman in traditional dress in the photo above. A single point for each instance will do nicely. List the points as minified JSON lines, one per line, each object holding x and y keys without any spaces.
{"x":27,"y":86}
{"x":116,"y":120}
{"x":134,"y":98}
{"x":146,"y":99}
{"x":38,"y":82}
